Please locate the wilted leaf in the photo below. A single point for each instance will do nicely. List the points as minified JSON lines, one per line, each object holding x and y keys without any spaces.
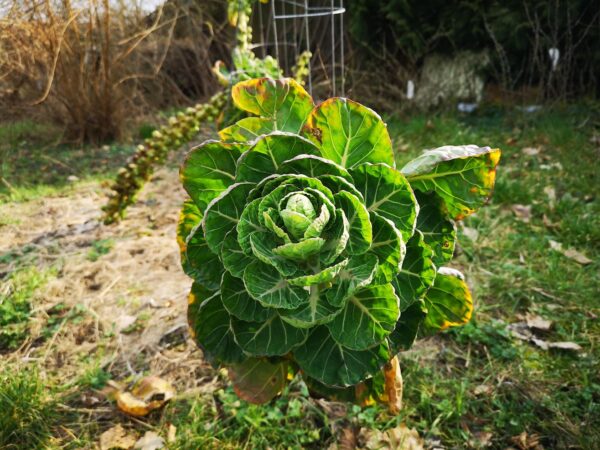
{"x":483,"y":389}
{"x":570,"y":253}
{"x":525,"y":441}
{"x":551,"y":194}
{"x":481,"y":439}
{"x":538,"y":323}
{"x":117,"y":438}
{"x":257,"y":380}
{"x":572,"y":346}
{"x":531,"y":151}
{"x":471,"y":233}
{"x":150,"y":441}
{"x":463,"y":176}
{"x":522,"y":212}
{"x":171,"y":434}
{"x":398,"y":438}
{"x":148,"y":394}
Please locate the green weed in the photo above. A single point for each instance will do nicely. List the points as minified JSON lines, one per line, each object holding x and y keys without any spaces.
{"x":27,"y":410}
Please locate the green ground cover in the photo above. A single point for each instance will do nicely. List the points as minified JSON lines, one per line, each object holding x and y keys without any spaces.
{"x":472,"y":387}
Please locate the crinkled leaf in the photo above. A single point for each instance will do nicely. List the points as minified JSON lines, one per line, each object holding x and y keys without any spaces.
{"x":313,"y":166}
{"x":233,"y":257}
{"x":208,"y":170}
{"x":349,"y":133}
{"x":388,"y":246}
{"x":388,"y":194}
{"x":282,"y":101}
{"x":369,"y":316}
{"x":338,"y":184}
{"x":268,"y":153}
{"x":258,"y":380}
{"x":273,"y":337}
{"x":237,"y":301}
{"x":318,"y":225}
{"x":407,"y":327}
{"x":336,"y":239}
{"x":249,"y":224}
{"x":361,"y":231}
{"x":448,"y":301}
{"x":438,"y":230}
{"x":266,"y":284}
{"x":463,"y":176}
{"x":223,"y":214}
{"x":315,"y":312}
{"x":359,"y":272}
{"x":210,"y":325}
{"x":264,"y":246}
{"x":322,"y":358}
{"x":300,"y":251}
{"x":246,"y":129}
{"x":417,"y":273}
{"x":324,"y":276}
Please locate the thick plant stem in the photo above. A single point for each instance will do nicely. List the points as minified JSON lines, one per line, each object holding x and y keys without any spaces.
{"x":181,"y":129}
{"x":393,"y":385}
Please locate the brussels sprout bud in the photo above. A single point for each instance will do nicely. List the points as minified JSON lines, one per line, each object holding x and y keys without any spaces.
{"x":298,"y":214}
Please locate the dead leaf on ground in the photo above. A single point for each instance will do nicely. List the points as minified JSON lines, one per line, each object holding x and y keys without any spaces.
{"x":148,"y":394}
{"x":551,"y":194}
{"x":171,"y":434}
{"x":398,"y":438}
{"x":522,"y":212}
{"x":483,"y":389}
{"x":481,"y":439}
{"x":538,"y":322}
{"x":117,"y":438}
{"x":471,"y":233}
{"x":150,"y":441}
{"x":531,"y":151}
{"x":570,"y":253}
{"x":526,"y":441}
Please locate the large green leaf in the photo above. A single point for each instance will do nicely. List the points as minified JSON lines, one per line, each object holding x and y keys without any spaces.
{"x":361,"y":231}
{"x":417,"y":273}
{"x":237,"y":301}
{"x":233,"y":257}
{"x":209,"y":169}
{"x":223,"y":214}
{"x":205,"y":265}
{"x":246,"y":129}
{"x":266,"y":284}
{"x":388,"y":246}
{"x":313,"y":166}
{"x":268,"y":153}
{"x":282,"y":101}
{"x":336,"y":238}
{"x":407,"y":327}
{"x":258,"y":380}
{"x":322,"y":358}
{"x":359,"y":272}
{"x":338,"y":184}
{"x":249,"y":224}
{"x":448,"y":301}
{"x":439,"y":231}
{"x":316,"y":311}
{"x":463,"y":176}
{"x":189,"y":217}
{"x":388,"y":194}
{"x":211,"y":327}
{"x":300,"y":251}
{"x":273,"y":337}
{"x":368,"y":317}
{"x":349,"y":133}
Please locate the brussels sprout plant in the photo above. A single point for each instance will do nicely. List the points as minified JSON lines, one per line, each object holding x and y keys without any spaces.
{"x":312,"y":253}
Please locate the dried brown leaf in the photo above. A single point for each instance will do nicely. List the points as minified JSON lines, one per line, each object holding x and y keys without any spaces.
{"x":522,"y":212}
{"x":150,"y":441}
{"x":149,"y":394}
{"x":117,"y":438}
{"x":538,"y":323}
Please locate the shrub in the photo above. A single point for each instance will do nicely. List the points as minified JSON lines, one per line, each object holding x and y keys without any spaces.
{"x":310,"y":251}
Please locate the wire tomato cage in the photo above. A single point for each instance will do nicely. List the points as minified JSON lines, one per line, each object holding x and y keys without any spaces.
{"x":286,"y":28}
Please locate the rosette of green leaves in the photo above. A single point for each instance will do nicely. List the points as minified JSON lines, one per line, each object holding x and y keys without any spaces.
{"x":309,"y":250}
